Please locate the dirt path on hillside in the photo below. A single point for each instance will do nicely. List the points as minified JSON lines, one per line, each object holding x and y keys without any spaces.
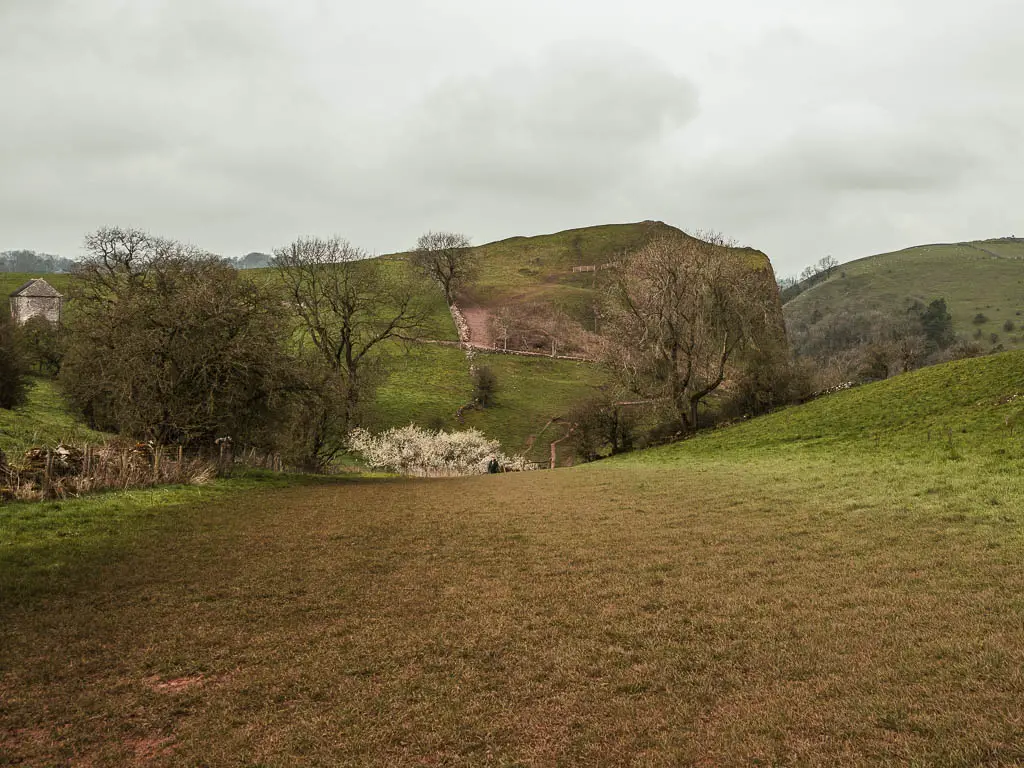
{"x":479,"y":321}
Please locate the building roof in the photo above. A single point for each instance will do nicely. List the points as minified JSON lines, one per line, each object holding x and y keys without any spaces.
{"x":37,"y":289}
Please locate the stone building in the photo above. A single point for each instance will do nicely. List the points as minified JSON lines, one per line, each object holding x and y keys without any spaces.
{"x":36,"y":297}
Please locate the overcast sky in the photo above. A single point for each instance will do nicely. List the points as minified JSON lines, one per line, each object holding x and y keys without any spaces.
{"x":800,"y":127}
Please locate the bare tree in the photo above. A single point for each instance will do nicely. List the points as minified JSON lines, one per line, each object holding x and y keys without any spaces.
{"x":826,"y":264}
{"x":348,"y":307}
{"x":446,"y":258}
{"x":531,"y":326}
{"x":506,"y":322}
{"x":684,"y":309}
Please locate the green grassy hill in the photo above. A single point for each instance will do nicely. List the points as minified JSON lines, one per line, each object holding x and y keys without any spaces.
{"x":540,"y":268}
{"x":966,"y":408}
{"x":430,"y":384}
{"x":985,"y":277}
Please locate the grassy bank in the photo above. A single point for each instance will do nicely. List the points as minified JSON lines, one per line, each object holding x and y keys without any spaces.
{"x":429,"y":385}
{"x":43,"y":420}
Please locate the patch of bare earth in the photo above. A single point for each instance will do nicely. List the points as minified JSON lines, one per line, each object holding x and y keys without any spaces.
{"x":174,"y":685}
{"x":152,"y":748}
{"x":479,"y":321}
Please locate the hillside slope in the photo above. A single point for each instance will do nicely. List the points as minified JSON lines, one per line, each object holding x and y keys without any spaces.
{"x":985,"y":277}
{"x":543,"y":276}
{"x":972,"y":408}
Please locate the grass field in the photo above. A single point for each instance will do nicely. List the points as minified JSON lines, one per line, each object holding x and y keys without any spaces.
{"x":12,"y":281}
{"x":43,"y":420}
{"x":429,"y":384}
{"x":821,"y":586}
{"x":985,"y":277}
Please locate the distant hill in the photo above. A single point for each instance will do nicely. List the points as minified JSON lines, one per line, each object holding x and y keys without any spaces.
{"x":253,"y":260}
{"x":984,"y":277}
{"x":564,"y":273}
{"x":540,"y":279}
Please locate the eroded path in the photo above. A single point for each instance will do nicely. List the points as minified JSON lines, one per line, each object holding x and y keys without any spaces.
{"x":479,"y":321}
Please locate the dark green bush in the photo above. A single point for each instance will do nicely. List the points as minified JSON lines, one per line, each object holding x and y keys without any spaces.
{"x":43,"y":344}
{"x":485,"y":386}
{"x":14,"y":364}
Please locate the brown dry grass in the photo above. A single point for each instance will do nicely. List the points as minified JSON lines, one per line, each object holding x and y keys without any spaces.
{"x":618,"y":615}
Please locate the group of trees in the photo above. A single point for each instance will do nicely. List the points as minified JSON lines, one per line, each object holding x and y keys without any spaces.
{"x":33,"y":346}
{"x":166,"y":342}
{"x":540,"y":326}
{"x":792,"y":286}
{"x":33,"y":261}
{"x":14,"y":363}
{"x":848,"y":343}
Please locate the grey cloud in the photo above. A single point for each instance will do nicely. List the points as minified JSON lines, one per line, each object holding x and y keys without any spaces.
{"x":850,"y":147}
{"x":842,"y":127}
{"x":556,"y":127}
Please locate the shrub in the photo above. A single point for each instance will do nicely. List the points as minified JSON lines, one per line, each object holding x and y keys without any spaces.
{"x":960,"y":350}
{"x":1008,"y":326}
{"x":768,"y":383}
{"x":601,"y":427}
{"x":485,"y":385}
{"x":14,"y":365}
{"x":993,"y":337}
{"x":937,"y":324}
{"x":42,"y":344}
{"x":412,"y":450}
{"x":66,"y":471}
{"x":980,"y":319}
